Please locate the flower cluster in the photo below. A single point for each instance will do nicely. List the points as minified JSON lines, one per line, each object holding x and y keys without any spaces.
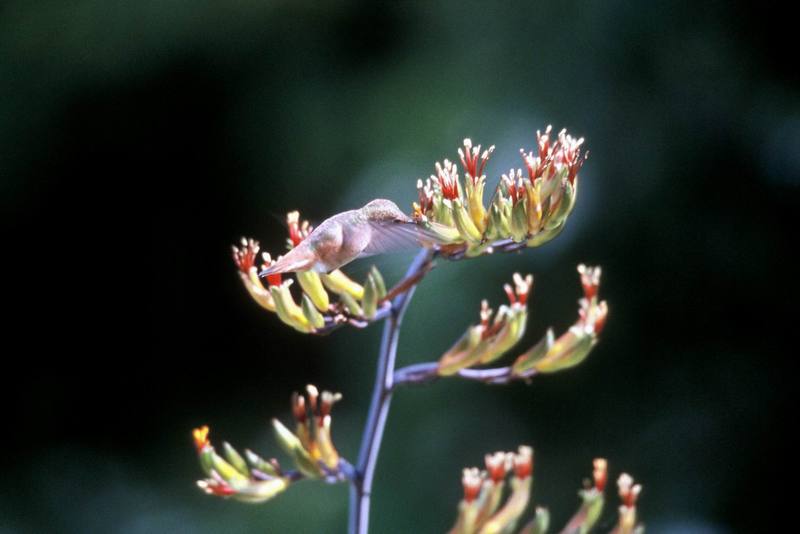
{"x":483,"y":509}
{"x":488,"y":340}
{"x":316,"y":312}
{"x":528,"y":207}
{"x":250,"y":478}
{"x":551,"y":355}
{"x":628,"y":494}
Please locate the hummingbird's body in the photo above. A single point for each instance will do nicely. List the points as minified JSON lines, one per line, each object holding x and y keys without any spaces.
{"x":376,"y":228}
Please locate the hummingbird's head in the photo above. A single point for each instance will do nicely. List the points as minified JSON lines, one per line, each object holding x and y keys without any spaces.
{"x":381,"y":209}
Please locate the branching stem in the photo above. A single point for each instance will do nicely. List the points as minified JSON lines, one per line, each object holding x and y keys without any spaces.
{"x":361,"y":488}
{"x":387,"y":379}
{"x":423,"y":373}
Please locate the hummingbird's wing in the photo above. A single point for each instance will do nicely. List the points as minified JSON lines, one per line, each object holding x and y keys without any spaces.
{"x":398,"y":236}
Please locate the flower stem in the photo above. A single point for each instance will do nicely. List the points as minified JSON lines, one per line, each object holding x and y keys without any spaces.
{"x":423,"y":373}
{"x":361,"y":489}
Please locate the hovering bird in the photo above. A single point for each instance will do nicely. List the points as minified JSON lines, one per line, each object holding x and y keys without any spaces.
{"x":378,"y":227}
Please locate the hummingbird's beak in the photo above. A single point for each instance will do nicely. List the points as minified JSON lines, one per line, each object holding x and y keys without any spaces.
{"x":294,"y":261}
{"x":268,"y":271}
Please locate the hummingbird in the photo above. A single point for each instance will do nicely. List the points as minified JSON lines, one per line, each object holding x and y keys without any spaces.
{"x":378,"y":227}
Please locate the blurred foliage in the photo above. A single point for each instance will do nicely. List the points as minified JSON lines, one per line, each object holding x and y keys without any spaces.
{"x":140,"y":139}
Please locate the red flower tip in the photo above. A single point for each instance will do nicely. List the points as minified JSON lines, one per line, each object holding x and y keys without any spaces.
{"x":512,"y":298}
{"x":523,"y":462}
{"x":628,"y":491}
{"x":543,"y":142}
{"x":313,"y":394}
{"x":425,"y":193}
{"x":245,"y":257}
{"x":600,"y":317}
{"x":272,"y":279}
{"x":299,"y":408}
{"x":565,"y":152}
{"x":200,"y":436}
{"x":514,"y":185}
{"x":472,"y":160}
{"x":216,"y":487}
{"x":293,"y":222}
{"x":472,"y":482}
{"x":486,"y":313}
{"x":297,"y":230}
{"x":317,"y":404}
{"x":590,"y":280}
{"x":328,"y":399}
{"x":522,"y":287}
{"x":447,"y":176}
{"x":497,"y":465}
{"x":600,"y":474}
{"x":568,"y":153}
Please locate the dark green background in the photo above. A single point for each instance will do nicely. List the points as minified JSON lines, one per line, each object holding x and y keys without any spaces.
{"x":139,"y":139}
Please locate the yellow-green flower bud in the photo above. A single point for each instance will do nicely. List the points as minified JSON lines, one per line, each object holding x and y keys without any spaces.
{"x":312,"y":286}
{"x":370,"y":301}
{"x":534,"y":211}
{"x":351,"y":305}
{"x":311,"y":313}
{"x":259,"y":463}
{"x":505,"y":519}
{"x":544,"y":236}
{"x":528,"y":360}
{"x":235,"y":459}
{"x":559,"y":215}
{"x":460,"y":355}
{"x":508,"y":336}
{"x":288,"y":311}
{"x":539,"y":524}
{"x":464,"y":223}
{"x":328,"y":453}
{"x":519,"y":222}
{"x":340,"y":283}
{"x":229,"y":473}
{"x":568,"y":351}
{"x":380,"y":285}
{"x":294,"y":448}
{"x":474,"y":193}
{"x":256,"y":290}
{"x":261,"y":491}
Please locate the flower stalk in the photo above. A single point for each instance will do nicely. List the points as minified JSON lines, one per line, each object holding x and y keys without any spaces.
{"x":361,"y":489}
